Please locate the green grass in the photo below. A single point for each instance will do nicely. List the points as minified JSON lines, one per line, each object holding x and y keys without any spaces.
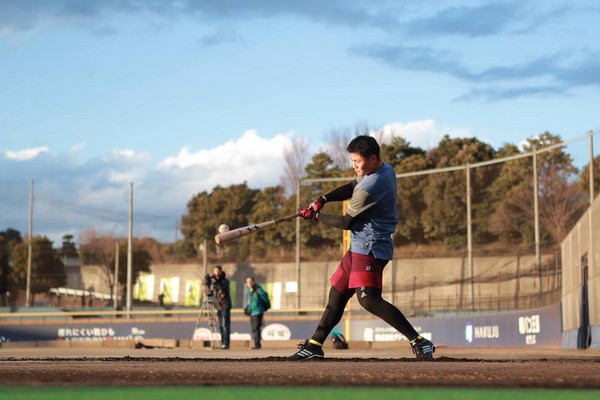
{"x":287,"y":393}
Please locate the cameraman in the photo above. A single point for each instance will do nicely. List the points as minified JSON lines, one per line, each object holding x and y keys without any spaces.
{"x":222,"y":304}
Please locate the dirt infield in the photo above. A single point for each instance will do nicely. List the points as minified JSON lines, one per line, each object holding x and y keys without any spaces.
{"x":268,"y":367}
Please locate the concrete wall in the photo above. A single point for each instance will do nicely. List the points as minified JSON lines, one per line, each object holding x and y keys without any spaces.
{"x":415,"y":285}
{"x":577,"y":250}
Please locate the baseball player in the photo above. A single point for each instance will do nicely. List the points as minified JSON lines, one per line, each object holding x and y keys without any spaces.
{"x":371,"y":217}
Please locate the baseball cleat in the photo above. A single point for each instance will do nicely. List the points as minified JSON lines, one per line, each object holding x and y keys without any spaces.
{"x":422,"y":348}
{"x":307,"y":351}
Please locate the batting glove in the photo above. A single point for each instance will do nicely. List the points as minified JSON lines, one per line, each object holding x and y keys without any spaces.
{"x":308,"y":213}
{"x":317,"y":204}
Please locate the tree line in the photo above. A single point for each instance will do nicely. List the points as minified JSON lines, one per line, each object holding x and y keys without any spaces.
{"x":432,"y":208}
{"x":48,"y":263}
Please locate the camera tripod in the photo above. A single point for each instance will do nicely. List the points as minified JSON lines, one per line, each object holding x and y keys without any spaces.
{"x":208,"y":314}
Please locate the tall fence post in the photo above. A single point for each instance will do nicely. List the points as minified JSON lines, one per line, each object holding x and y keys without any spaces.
{"x":536,"y":210}
{"x":499,"y":292}
{"x":517,"y":287}
{"x":29,"y":247}
{"x":470,"y":235}
{"x":298,"y":302}
{"x":591,"y":258}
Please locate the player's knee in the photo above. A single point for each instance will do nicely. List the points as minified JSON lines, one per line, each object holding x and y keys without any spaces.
{"x":369,"y":303}
{"x":370,"y":299}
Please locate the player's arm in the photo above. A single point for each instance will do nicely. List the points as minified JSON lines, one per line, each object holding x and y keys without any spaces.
{"x":360,"y":202}
{"x":343,"y":192}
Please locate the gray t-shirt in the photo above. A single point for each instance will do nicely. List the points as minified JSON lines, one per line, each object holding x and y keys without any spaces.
{"x":374,"y":203}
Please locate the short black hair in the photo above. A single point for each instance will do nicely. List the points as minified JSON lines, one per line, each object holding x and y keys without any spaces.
{"x":364,"y":145}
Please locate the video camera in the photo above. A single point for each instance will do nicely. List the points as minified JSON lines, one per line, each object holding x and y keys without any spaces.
{"x":209,"y":286}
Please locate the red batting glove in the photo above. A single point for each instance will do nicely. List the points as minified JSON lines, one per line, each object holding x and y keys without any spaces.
{"x":317,"y":204}
{"x":307,"y":213}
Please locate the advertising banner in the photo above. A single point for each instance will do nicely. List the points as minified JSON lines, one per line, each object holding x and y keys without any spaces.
{"x":525,"y":328}
{"x":169,"y":288}
{"x":192,"y":292}
{"x":144,"y":288}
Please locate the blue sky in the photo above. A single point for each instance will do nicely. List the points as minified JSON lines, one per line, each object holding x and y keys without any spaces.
{"x":179,"y":96}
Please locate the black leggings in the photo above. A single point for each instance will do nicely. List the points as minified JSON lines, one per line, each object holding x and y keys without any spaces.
{"x":370,"y":299}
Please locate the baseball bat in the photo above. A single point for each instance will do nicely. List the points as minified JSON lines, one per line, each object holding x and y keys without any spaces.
{"x":247,"y":230}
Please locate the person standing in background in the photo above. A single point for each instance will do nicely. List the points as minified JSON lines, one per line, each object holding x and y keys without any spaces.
{"x":258,"y":303}
{"x":223,"y":305}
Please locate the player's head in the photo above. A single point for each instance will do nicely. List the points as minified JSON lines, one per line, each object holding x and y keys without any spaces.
{"x":364,"y":145}
{"x":364,"y":154}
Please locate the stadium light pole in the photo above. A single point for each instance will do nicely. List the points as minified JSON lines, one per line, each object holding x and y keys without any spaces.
{"x":591,"y":260}
{"x":130,"y":250}
{"x":298,"y":185}
{"x":470,"y":235}
{"x":536,"y":213}
{"x":29,"y":246}
{"x":116,"y":284}
{"x":203,"y":247}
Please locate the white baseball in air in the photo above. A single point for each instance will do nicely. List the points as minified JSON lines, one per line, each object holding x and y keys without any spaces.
{"x":223,"y":228}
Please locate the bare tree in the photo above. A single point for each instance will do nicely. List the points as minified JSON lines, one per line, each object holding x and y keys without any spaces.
{"x":339,"y":138}
{"x":561,"y":203}
{"x":99,"y":249}
{"x":295,"y":157}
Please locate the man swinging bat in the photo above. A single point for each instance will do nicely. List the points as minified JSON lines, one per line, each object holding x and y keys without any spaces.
{"x":372,"y":217}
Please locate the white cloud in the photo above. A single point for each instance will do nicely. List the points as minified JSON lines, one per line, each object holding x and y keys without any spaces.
{"x":127,"y":166}
{"x":251,"y":158}
{"x":78,"y":147}
{"x":27,"y":154}
{"x":425,"y":134}
{"x":127,"y":154}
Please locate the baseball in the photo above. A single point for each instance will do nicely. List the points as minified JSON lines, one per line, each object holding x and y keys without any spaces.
{"x":223,"y":228}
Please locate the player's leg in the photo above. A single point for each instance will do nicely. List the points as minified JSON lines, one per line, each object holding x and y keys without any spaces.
{"x":367,"y":276}
{"x":333,"y":313}
{"x":370,"y":299}
{"x":339,"y":294}
{"x":313,"y":348}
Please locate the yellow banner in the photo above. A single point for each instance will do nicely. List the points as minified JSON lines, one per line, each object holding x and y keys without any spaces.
{"x":192,"y":292}
{"x":144,"y":288}
{"x":169,"y":288}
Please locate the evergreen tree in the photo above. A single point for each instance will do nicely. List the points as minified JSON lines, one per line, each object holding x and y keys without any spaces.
{"x":47,"y":269}
{"x":405,"y":158}
{"x":230,"y":205}
{"x":444,"y":219}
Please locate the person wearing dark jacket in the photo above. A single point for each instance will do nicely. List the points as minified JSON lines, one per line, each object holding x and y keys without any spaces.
{"x":258,"y":303}
{"x":222,"y":304}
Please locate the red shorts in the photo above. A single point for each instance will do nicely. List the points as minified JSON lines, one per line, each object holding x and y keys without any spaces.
{"x":358,"y":270}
